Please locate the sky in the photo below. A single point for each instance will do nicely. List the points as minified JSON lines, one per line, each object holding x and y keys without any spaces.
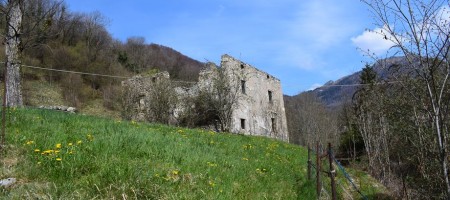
{"x":303,"y":43}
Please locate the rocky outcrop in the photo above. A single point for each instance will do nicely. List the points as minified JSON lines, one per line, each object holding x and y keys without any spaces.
{"x":60,"y":108}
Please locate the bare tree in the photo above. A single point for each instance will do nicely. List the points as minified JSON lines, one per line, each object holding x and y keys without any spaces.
{"x":420,"y":31}
{"x":372,"y":124}
{"x":16,"y":32}
{"x":13,"y":11}
{"x":222,"y":94}
{"x":162,"y":101}
{"x":309,"y":120}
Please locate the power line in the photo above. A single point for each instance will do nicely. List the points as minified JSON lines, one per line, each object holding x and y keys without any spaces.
{"x":124,"y":77}
{"x":346,"y":85}
{"x":75,"y":72}
{"x":361,"y":84}
{"x":92,"y":74}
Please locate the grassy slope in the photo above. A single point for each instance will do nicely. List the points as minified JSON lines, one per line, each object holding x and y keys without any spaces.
{"x":58,"y":155}
{"x":102,"y":158}
{"x":43,"y":93}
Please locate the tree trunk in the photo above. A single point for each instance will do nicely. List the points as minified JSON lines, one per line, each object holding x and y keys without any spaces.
{"x":12,"y":51}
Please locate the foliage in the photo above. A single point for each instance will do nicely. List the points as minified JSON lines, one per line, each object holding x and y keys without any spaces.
{"x":419,"y":31}
{"x":162,"y":101}
{"x":218,"y":99}
{"x":309,"y":120}
{"x":54,"y":37}
{"x":397,"y":133}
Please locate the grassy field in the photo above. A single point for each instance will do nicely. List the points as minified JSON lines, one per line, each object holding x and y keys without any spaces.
{"x":58,"y":155}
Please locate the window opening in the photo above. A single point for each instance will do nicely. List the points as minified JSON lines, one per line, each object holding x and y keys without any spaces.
{"x":242,"y":123}
{"x":270,"y":96}
{"x":274,"y":125}
{"x":243,"y":86}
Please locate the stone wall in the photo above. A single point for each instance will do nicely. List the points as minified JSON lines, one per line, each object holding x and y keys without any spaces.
{"x":259,"y":108}
{"x":137,"y":95}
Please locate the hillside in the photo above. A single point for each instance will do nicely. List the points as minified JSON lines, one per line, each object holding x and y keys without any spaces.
{"x":137,"y":56}
{"x":334,"y":95}
{"x":76,"y":53}
{"x":66,"y":156}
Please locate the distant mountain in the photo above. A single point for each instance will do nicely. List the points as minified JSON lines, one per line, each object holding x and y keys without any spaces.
{"x":334,"y":93}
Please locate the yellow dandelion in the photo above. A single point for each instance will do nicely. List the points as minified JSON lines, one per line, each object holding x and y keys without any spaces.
{"x":79,"y":142}
{"x":70,"y":152}
{"x":47,"y":152}
{"x":70,"y":144}
{"x":175,"y":172}
{"x":30,"y":142}
{"x":57,"y":151}
{"x":58,"y":146}
{"x":211,"y":164}
{"x":211,"y":183}
{"x":37,"y":150}
{"x":58,"y":159}
{"x":90,"y":137}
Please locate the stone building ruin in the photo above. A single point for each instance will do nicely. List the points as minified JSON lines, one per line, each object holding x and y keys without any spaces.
{"x":258,"y":107}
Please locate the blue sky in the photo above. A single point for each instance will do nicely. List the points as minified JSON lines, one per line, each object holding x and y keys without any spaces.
{"x":303,"y":43}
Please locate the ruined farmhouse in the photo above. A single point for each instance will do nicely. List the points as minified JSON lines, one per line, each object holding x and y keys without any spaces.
{"x":257,"y":99}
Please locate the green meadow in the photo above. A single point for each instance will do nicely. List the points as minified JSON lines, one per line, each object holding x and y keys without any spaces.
{"x":55,"y":155}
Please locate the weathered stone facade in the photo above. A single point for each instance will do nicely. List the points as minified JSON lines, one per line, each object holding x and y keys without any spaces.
{"x":259,"y":106}
{"x":260,"y":111}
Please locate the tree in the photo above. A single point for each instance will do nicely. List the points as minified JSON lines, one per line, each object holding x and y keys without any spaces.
{"x":221,"y":94}
{"x":13,"y":11}
{"x":162,"y":100}
{"x":420,"y":31}
{"x":309,"y":120}
{"x":27,"y":23}
{"x":372,"y":123}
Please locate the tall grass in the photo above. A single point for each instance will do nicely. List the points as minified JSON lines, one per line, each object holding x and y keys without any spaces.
{"x":58,"y":155}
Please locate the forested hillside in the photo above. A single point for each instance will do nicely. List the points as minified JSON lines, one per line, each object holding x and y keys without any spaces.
{"x":56,"y":38}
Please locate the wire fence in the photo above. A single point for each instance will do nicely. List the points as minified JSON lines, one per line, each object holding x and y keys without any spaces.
{"x":321,"y":188}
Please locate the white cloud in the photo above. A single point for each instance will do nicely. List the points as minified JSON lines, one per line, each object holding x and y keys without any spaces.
{"x":375,"y":41}
{"x":323,"y":23}
{"x":443,"y":17}
{"x":313,"y":30}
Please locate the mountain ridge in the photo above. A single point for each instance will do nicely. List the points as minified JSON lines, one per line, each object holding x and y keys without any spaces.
{"x":334,"y":94}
